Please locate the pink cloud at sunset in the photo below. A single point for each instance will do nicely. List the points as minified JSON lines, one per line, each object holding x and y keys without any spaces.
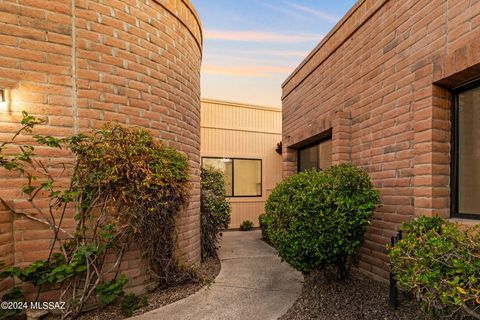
{"x":251,"y":46}
{"x":248,"y":71}
{"x":259,"y":36}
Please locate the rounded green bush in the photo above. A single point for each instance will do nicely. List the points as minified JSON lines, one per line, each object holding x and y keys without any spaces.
{"x":439,"y":262}
{"x":318,"y":219}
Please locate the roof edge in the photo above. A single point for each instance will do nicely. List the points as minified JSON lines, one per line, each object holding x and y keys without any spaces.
{"x":324,"y":40}
{"x":241,"y":105}
{"x":353,"y":20}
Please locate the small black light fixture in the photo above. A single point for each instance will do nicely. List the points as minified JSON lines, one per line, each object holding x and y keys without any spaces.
{"x":278,"y":149}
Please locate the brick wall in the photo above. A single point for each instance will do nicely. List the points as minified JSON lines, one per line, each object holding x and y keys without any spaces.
{"x":380,"y":81}
{"x":79,"y":63}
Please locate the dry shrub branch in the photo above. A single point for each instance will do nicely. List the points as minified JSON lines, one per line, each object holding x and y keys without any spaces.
{"x":124,"y":185}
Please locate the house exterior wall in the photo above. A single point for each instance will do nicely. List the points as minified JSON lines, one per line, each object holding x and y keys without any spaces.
{"x":80,"y":63}
{"x":244,"y":131}
{"x":380,"y":81}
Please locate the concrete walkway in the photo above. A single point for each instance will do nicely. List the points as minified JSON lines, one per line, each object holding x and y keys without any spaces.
{"x":252,"y":284}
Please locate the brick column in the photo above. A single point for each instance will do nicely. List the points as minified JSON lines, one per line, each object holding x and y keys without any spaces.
{"x":341,"y":137}
{"x":432,"y":154}
{"x":289,"y":165}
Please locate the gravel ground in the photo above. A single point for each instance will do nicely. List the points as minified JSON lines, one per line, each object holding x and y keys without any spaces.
{"x":207,"y":272}
{"x":358,"y":298}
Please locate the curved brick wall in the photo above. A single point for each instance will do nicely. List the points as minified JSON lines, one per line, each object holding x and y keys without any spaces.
{"x":81,"y":63}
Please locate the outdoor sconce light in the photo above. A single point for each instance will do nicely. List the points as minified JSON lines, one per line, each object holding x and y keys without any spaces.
{"x":3,"y":99}
{"x":278,"y":149}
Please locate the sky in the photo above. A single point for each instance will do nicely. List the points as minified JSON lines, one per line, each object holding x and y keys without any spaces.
{"x":252,"y":46}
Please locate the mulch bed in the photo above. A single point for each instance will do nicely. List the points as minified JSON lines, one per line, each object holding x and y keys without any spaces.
{"x":359,"y":297}
{"x":207,"y":272}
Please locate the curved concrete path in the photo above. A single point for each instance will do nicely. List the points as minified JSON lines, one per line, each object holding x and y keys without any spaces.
{"x":252,"y":284}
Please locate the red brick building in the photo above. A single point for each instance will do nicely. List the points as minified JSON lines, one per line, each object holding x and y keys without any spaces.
{"x":80,"y":63}
{"x":392,"y":89}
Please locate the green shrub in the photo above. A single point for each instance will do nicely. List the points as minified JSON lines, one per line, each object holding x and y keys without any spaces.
{"x":439,"y":262}
{"x":246,"y":225}
{"x":132,"y":302}
{"x":124,"y":186}
{"x":14,"y":295}
{"x":264,"y":221}
{"x":215,"y":210}
{"x":317,"y":219}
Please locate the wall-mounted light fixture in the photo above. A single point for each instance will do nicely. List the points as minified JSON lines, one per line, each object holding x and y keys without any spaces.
{"x":3,"y":100}
{"x":279,"y":148}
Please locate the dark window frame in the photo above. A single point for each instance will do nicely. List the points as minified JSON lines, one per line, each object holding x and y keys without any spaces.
{"x":316,"y":143}
{"x":233,"y":175}
{"x":308,"y":147}
{"x":454,"y":167}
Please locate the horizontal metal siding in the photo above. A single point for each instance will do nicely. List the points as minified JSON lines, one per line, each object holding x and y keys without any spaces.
{"x":244,"y":132}
{"x":241,"y":118}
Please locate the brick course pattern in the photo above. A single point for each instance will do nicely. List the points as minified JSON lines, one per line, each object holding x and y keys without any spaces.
{"x":80,"y":63}
{"x":380,"y":82}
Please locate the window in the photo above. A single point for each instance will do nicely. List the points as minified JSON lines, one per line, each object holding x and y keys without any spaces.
{"x":224,"y":165}
{"x":466,"y":153}
{"x":318,"y":156}
{"x":243,"y":177}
